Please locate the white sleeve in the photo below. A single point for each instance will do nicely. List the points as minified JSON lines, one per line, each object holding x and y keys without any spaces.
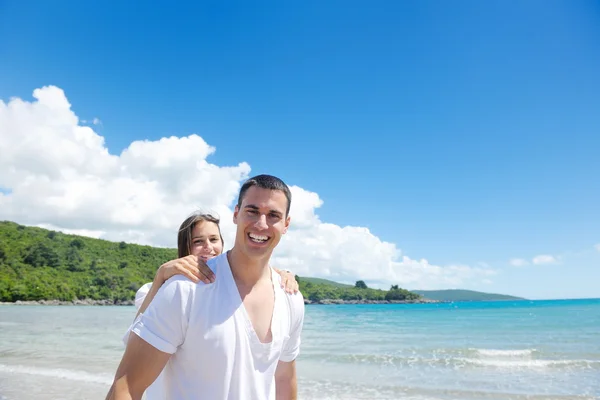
{"x":291,"y":348}
{"x":164,"y":323}
{"x":126,"y":335}
{"x":141,"y":294}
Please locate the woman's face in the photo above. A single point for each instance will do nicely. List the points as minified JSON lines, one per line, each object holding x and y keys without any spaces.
{"x":206,"y":241}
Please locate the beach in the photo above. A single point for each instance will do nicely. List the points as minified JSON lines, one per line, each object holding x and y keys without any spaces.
{"x":441,"y":351}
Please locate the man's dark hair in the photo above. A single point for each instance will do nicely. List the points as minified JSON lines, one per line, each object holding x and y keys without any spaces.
{"x":266,"y":182}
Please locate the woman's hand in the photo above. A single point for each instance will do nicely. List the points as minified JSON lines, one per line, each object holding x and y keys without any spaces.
{"x":192,"y":267}
{"x":288,"y":281}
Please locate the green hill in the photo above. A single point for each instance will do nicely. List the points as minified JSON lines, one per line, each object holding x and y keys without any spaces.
{"x":463,"y":295}
{"x":320,"y":281}
{"x":438,"y":295}
{"x":39,"y":264}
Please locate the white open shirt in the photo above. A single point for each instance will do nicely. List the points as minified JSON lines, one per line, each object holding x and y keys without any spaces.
{"x":215,"y":352}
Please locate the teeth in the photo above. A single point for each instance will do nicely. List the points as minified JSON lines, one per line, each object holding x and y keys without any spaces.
{"x":258,"y":238}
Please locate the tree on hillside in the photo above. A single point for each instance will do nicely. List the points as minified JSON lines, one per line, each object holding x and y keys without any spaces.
{"x":78,"y":243}
{"x":396,"y":293}
{"x":74,"y":260}
{"x":360,"y":285}
{"x":39,"y":255}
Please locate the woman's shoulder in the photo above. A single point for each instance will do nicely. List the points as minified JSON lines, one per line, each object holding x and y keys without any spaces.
{"x":141,"y":294}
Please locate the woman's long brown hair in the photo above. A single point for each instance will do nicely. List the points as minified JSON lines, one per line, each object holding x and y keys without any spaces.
{"x":184,"y":237}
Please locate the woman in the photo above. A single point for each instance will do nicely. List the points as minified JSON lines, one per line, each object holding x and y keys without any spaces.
{"x":199,"y":239}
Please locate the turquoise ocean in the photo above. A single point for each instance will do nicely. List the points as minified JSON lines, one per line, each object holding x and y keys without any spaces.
{"x":478,"y":350}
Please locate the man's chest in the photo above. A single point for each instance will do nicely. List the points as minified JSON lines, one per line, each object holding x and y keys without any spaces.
{"x":225,"y":332}
{"x":258,"y":308}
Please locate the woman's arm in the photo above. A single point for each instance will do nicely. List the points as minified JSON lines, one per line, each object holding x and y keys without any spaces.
{"x":191,"y":266}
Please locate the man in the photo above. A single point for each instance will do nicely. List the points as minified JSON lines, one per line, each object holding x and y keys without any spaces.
{"x":236,"y":338}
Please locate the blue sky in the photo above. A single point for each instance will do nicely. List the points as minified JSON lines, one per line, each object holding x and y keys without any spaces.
{"x":464,"y":132}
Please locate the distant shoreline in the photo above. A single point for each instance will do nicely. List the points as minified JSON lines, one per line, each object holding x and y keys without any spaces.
{"x":85,"y":302}
{"x":90,"y":302}
{"x":337,"y":301}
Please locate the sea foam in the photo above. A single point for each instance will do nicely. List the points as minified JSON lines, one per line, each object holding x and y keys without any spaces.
{"x":58,"y":373}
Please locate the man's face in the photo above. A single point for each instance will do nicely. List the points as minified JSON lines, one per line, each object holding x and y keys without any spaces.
{"x":260,"y":221}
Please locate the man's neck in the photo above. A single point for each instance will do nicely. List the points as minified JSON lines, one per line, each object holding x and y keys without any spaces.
{"x":248,"y":271}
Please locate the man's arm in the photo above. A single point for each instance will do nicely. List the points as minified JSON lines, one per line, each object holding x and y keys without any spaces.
{"x":286,"y":384}
{"x":154,"y":336}
{"x":140,"y":366}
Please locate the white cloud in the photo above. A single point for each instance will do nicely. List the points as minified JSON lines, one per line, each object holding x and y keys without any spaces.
{"x":544,"y":259}
{"x":597,"y":247}
{"x":518,"y":262}
{"x":60,"y":175}
{"x":80,"y":232}
{"x":95,"y":121}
